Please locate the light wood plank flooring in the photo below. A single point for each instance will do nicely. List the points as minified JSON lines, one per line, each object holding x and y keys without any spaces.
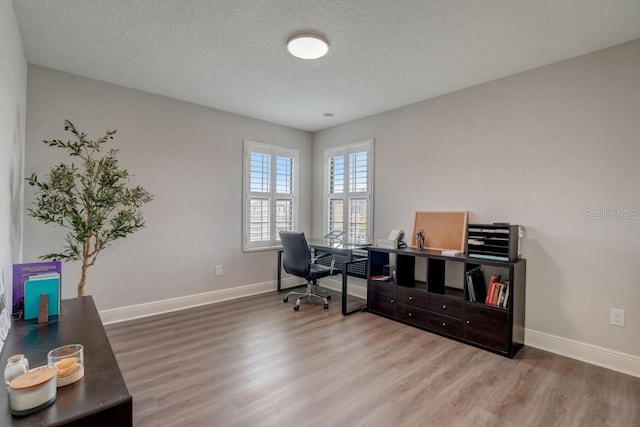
{"x":256,"y":362}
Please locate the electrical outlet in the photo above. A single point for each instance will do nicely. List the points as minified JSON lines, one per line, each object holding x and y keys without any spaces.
{"x":218,"y":270}
{"x":617,"y":317}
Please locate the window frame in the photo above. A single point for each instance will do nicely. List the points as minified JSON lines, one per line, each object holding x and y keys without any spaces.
{"x":274,"y":151}
{"x":347,"y":196}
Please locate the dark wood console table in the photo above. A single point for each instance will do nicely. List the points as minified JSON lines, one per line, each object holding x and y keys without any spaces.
{"x":100,"y":398}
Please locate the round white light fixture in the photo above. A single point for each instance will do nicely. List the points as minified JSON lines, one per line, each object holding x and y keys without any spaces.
{"x":307,"y":45}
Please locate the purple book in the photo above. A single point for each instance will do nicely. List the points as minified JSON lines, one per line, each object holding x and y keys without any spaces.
{"x":21,"y":272}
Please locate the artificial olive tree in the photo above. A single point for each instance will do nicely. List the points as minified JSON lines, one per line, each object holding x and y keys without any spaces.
{"x":91,"y":199}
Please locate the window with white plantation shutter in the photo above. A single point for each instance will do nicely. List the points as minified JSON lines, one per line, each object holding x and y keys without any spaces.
{"x":336,"y":215}
{"x":270,"y":194}
{"x":348,"y":183}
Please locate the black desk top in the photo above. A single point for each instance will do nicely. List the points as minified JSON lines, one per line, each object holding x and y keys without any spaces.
{"x":102,"y":387}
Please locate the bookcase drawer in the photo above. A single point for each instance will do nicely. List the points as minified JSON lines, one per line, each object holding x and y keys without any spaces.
{"x":448,"y":306}
{"x":445,"y":324}
{"x":487,"y":326}
{"x":382,"y":298}
{"x":382,"y":289}
{"x":383,"y":306}
{"x":410,"y":314}
{"x":412,"y":297}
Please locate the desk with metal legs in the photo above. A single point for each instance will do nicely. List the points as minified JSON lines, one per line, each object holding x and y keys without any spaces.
{"x":350,"y":259}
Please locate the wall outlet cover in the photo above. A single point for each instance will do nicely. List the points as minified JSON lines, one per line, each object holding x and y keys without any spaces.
{"x":617,"y":317}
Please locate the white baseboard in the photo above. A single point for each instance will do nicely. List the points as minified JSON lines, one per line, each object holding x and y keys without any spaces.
{"x":153,"y":308}
{"x":593,"y":354}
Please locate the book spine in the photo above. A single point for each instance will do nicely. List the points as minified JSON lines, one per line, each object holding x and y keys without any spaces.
{"x":501,"y":295}
{"x":505,"y":303}
{"x":496,"y":293}
{"x":472,"y":296}
{"x":490,"y":292}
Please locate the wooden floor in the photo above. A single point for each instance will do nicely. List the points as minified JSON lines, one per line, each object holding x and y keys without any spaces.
{"x":256,"y":362}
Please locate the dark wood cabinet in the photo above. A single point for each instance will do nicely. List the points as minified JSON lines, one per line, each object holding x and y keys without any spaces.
{"x":487,"y":326}
{"x":431,"y":291}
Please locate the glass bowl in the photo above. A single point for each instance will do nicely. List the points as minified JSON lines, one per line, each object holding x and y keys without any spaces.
{"x":69,"y":361}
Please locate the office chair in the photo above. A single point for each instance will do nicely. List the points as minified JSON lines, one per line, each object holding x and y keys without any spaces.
{"x":297,"y":260}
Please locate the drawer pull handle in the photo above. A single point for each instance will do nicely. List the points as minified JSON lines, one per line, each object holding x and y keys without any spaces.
{"x":468,"y":322}
{"x":444,"y":307}
{"x":444,"y":324}
{"x":410,"y":298}
{"x":392,"y":301}
{"x":410,"y":314}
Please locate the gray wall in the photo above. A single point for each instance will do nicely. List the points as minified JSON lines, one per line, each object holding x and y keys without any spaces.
{"x":189,"y":157}
{"x":13,"y":94}
{"x":538,"y":149}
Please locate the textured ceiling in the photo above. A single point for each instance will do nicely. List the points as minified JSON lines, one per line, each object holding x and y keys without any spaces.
{"x":230,"y":55}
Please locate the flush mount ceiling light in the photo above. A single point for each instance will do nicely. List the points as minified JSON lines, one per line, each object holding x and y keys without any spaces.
{"x":307,"y":45}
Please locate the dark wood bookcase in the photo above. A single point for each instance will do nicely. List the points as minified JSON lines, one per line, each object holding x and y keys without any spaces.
{"x":430,"y":291}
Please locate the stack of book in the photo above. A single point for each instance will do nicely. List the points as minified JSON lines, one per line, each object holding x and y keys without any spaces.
{"x":34,"y":288}
{"x":475,"y":285}
{"x":498,"y":293}
{"x":31,"y":276}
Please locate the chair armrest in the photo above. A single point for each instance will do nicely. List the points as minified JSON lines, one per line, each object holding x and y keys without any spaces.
{"x":333,"y":259}
{"x":314,"y":259}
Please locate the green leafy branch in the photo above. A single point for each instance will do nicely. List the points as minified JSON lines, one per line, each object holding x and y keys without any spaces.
{"x":91,"y":199}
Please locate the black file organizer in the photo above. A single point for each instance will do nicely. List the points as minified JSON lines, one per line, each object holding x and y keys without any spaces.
{"x":494,"y":241}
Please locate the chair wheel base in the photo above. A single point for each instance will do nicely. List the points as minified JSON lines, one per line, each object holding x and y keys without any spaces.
{"x":285,"y":299}
{"x":296,"y":307}
{"x":328,"y":297}
{"x":326,"y":306}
